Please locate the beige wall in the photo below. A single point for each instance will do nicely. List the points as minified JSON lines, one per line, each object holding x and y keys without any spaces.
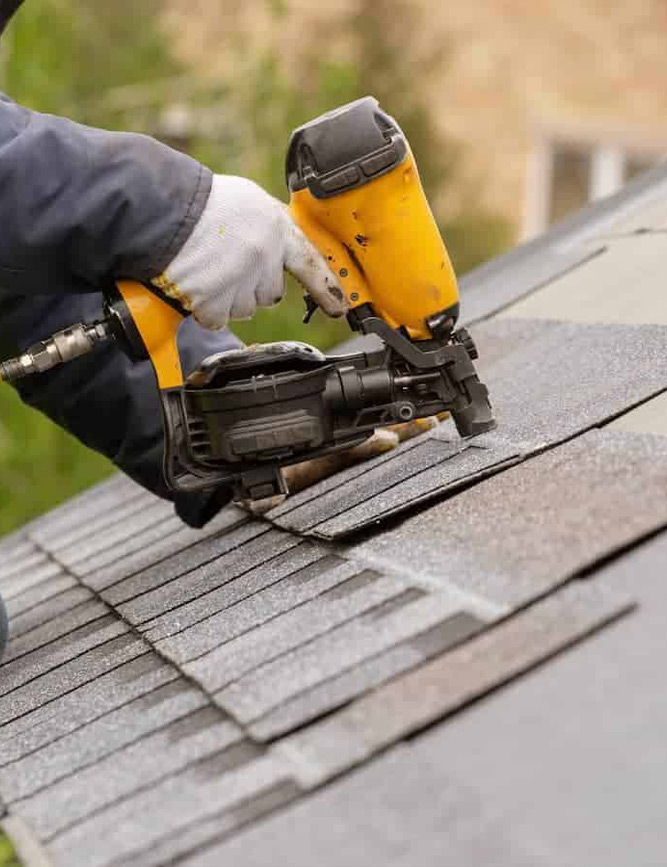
{"x":511,"y":64}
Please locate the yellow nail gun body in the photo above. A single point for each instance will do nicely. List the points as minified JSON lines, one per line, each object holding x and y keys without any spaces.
{"x":371,"y":220}
{"x":355,"y":191}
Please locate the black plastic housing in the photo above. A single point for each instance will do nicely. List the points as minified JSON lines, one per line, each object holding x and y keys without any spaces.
{"x":344,"y":149}
{"x":245,"y":414}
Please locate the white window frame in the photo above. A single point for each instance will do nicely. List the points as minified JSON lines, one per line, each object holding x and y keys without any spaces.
{"x":610,"y":150}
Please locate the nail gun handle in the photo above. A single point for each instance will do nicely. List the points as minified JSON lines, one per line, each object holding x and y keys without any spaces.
{"x":339,"y":258}
{"x":157,"y":324}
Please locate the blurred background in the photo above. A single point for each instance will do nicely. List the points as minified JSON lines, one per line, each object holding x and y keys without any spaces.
{"x":518,"y":112}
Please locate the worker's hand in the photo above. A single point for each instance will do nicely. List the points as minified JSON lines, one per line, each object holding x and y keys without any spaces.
{"x":236,"y":257}
{"x":303,"y":475}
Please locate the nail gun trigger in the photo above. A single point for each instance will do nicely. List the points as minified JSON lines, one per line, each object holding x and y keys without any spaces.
{"x":311,"y":308}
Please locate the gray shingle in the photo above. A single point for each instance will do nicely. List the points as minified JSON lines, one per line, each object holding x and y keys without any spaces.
{"x":40,"y":593}
{"x":201,"y":792}
{"x":649,"y":417}
{"x":284,"y":633}
{"x":201,"y":734}
{"x":480,"y":459}
{"x":438,"y":688}
{"x":181,"y":563}
{"x":375,"y":478}
{"x":176,"y":847}
{"x":51,"y":608}
{"x":48,"y":722}
{"x":52,"y":657}
{"x":98,"y":739}
{"x":545,"y":391}
{"x":521,"y":533}
{"x":96,"y":529}
{"x":86,"y":507}
{"x":83,"y":669}
{"x":28,"y":573}
{"x":576,"y":376}
{"x":27,"y":557}
{"x":498,"y":338}
{"x":488,"y":290}
{"x":225,"y":567}
{"x":15,"y":545}
{"x":395,"y":812}
{"x":116,"y":534}
{"x":337,"y":691}
{"x":600,"y":290}
{"x":394,"y":482}
{"x":176,"y":542}
{"x":139,"y":542}
{"x":55,"y":627}
{"x":423,"y":451}
{"x":350,"y":592}
{"x":326,"y":656}
{"x":242,"y":603}
{"x":567,"y":763}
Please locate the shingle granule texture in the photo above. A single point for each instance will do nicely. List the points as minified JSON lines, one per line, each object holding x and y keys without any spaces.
{"x":451,"y":652}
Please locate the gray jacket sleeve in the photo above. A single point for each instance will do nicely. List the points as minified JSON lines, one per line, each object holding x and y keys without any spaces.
{"x":80,"y":207}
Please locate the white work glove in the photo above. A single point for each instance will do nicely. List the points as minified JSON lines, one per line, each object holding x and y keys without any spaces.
{"x":236,"y":257}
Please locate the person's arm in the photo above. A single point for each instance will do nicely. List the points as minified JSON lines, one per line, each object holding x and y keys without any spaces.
{"x":79,"y":206}
{"x":109,"y":403}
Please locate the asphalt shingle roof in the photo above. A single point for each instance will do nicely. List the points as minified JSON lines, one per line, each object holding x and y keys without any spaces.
{"x":452,"y":650}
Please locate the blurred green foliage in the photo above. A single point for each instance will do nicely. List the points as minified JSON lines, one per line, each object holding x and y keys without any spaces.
{"x":7,"y":855}
{"x":109,"y":64}
{"x":40,"y":465}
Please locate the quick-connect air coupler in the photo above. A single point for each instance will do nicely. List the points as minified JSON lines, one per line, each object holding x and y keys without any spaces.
{"x":58,"y":349}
